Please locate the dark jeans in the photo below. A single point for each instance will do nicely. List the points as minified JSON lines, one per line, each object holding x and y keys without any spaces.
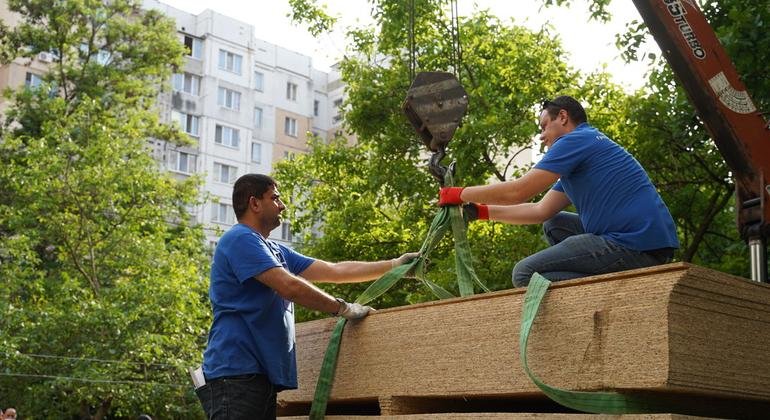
{"x":244,"y":397}
{"x":574,"y":253}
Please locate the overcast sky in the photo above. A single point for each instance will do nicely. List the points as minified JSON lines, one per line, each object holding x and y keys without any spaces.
{"x":591,"y":44}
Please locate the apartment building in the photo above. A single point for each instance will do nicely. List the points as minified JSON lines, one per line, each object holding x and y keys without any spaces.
{"x":245,"y":102}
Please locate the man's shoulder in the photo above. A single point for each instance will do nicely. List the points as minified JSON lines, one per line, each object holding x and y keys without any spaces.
{"x":238,"y":235}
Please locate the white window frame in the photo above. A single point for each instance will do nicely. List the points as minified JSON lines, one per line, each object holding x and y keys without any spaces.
{"x":227,"y":136}
{"x":182,"y":162}
{"x":290,"y":126}
{"x":259,"y":81}
{"x":186,"y":82}
{"x":228,"y":98}
{"x":190,"y":123}
{"x":224,"y":173}
{"x":291,"y":91}
{"x":222,"y":213}
{"x":230,"y":61}
{"x":256,"y":152}
{"x":258,"y":114}
{"x":286,"y":232}
{"x":195,"y":47}
{"x":32,"y":80}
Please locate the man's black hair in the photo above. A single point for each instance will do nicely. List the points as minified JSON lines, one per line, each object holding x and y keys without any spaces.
{"x":575,"y":111}
{"x":249,"y":185}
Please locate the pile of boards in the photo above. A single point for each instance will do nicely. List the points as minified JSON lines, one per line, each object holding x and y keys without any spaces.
{"x":695,"y":336}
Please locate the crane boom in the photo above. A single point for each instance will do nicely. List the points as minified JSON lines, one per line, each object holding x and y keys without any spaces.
{"x":739,"y":130}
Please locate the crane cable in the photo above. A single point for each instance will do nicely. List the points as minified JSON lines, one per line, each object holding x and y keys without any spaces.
{"x":412,"y":54}
{"x":456,"y":49}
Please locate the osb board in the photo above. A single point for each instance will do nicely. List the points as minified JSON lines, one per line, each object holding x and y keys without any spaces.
{"x":603,"y":332}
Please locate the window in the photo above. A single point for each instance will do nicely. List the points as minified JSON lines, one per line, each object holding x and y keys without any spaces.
{"x":194,"y":47}
{"x":338,"y":102}
{"x":288,"y":155}
{"x":189,"y":123}
{"x":32,"y":80}
{"x":187,"y":83}
{"x":316,"y":106}
{"x":227,"y":136}
{"x":257,"y":117}
{"x":290,"y":126}
{"x":291,"y":91}
{"x":225,"y":173}
{"x":259,"y":81}
{"x":182,"y":162}
{"x":229,"y":98}
{"x":286,"y":231}
{"x":222,"y":213}
{"x":229,"y":61}
{"x":337,"y":118}
{"x":256,"y":152}
{"x":101,"y":57}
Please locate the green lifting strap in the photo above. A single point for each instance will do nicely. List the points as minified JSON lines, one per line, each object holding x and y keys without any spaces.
{"x":591,"y":402}
{"x":447,"y":218}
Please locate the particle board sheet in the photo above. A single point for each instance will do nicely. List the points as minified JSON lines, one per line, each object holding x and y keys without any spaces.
{"x":666,"y":328}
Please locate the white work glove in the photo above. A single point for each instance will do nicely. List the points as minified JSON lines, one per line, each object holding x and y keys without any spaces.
{"x":353,"y":310}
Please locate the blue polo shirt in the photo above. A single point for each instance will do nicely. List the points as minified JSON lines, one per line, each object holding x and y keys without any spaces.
{"x":612,"y":193}
{"x":253,"y":327}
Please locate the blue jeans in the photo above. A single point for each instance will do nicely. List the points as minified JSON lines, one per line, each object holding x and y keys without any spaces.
{"x":238,"y":397}
{"x":574,"y":253}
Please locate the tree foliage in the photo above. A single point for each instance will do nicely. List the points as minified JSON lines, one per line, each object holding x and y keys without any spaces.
{"x":376,"y":199}
{"x":103,"y":300}
{"x":507,"y":69}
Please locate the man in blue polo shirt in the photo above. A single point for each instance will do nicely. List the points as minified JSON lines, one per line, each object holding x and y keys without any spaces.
{"x":621,"y":221}
{"x":255,"y":283}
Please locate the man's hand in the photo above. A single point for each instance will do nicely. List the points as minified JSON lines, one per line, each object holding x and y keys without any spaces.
{"x":450,"y":196}
{"x":404,"y":259}
{"x":353,"y":310}
{"x":473,"y":211}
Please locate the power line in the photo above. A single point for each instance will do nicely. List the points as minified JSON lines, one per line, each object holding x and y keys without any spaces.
{"x":90,"y":380}
{"x":87,"y":359}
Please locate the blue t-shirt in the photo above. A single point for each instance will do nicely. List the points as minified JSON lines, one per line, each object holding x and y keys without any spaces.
{"x":253,"y":326}
{"x":611,"y":192}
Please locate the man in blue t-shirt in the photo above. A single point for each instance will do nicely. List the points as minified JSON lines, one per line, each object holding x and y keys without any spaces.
{"x":621,"y":221}
{"x":255,"y":283}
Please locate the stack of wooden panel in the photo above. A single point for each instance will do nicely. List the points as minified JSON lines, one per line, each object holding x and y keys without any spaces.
{"x":677,"y":332}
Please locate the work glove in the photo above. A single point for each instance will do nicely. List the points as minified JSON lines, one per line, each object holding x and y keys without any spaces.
{"x":352,"y":310}
{"x":473,"y":211}
{"x":450,"y":196}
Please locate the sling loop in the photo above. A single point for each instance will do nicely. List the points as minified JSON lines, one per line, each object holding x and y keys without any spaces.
{"x":597,"y":402}
{"x":447,"y":217}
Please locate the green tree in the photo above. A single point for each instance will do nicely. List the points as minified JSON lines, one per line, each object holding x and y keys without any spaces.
{"x":103,"y":304}
{"x":376,"y":199}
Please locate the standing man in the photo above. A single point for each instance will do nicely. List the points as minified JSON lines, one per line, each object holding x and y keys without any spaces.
{"x":255,"y":283}
{"x":621,"y":221}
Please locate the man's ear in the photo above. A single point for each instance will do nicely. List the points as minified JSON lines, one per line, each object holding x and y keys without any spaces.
{"x":255,"y":204}
{"x":563,"y":114}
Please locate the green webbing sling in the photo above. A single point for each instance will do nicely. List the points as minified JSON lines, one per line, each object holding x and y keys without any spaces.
{"x":447,"y":217}
{"x":591,"y":402}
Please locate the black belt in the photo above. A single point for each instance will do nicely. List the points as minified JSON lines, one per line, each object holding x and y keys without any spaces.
{"x":246,"y":376}
{"x":660,"y":253}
